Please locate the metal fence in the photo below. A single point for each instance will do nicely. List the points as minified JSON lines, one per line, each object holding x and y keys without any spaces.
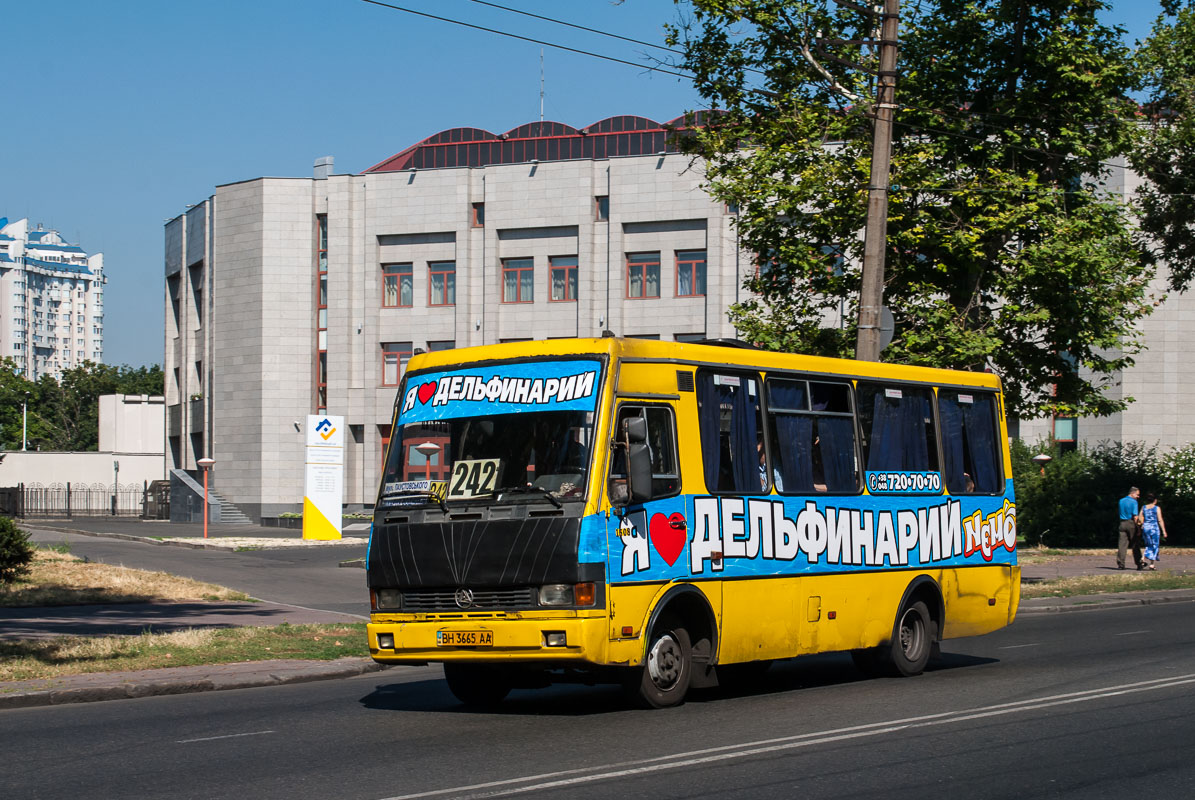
{"x":86,"y":500}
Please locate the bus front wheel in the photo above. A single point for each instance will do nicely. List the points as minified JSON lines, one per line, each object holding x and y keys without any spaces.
{"x":667,"y":670}
{"x":477,"y":684}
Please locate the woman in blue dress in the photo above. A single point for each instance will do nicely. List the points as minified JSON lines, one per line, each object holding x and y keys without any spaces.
{"x":1153,"y":531}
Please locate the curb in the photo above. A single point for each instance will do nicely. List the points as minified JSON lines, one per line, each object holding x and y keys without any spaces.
{"x":1095,"y":602}
{"x":197,"y":545}
{"x":58,"y":691}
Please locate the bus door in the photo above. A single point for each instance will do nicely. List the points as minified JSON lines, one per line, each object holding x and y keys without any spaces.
{"x":647,"y":541}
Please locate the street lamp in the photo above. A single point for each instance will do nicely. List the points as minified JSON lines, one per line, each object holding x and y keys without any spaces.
{"x":206,"y":465}
{"x":1041,"y":459}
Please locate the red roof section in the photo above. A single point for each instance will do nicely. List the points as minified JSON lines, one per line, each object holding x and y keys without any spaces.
{"x":541,"y":141}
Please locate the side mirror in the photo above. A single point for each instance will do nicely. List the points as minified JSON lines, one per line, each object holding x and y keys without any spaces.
{"x":638,"y":460}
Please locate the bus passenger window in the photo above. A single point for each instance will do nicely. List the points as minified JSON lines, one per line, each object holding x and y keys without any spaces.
{"x":813,"y":428}
{"x":661,"y":440}
{"x":897,"y":425}
{"x":728,"y":411}
{"x":970,"y":448}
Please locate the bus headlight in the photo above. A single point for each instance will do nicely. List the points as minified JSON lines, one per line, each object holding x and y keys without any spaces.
{"x":563,"y":594}
{"x":387,"y":599}
{"x":556,"y":594}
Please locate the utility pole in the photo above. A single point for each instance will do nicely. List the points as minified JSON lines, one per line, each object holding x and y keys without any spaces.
{"x":871,"y":293}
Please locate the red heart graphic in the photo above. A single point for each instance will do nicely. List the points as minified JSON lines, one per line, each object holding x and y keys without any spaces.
{"x":669,"y":541}
{"x":426,"y":391}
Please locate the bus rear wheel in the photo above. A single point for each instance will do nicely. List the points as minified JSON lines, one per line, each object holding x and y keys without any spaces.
{"x":479,"y":685}
{"x":664,"y":679}
{"x":912,"y":640}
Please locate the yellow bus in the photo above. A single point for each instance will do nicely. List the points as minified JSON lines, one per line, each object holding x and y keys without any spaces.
{"x":666,"y":515}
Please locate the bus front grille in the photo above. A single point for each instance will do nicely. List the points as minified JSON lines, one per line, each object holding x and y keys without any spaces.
{"x":482,"y":599}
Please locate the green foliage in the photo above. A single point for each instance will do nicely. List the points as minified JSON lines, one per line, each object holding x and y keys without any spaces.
{"x":64,"y":415}
{"x":1074,"y":504}
{"x":1166,"y":155}
{"x":1002,"y":250}
{"x":15,"y":551}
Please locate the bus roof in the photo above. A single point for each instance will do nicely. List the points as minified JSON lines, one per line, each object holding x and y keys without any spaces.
{"x":722,"y":353}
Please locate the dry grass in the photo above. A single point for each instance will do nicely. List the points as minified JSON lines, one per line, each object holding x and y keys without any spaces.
{"x":58,"y":579}
{"x":31,"y":659}
{"x":1105,"y":584}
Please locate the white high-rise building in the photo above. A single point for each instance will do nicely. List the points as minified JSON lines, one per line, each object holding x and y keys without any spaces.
{"x":51,"y":301}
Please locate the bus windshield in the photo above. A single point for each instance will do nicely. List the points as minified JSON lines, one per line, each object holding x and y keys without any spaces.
{"x":514,"y":433}
{"x":494,"y":457}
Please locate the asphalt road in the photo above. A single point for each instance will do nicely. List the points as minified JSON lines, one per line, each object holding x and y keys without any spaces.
{"x":1096,"y":704}
{"x":305,"y":577}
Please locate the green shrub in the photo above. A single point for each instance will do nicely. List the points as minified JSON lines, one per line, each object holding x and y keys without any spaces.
{"x":1074,"y":503}
{"x":15,"y":551}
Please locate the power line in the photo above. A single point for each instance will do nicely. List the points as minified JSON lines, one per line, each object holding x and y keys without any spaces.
{"x":527,"y":39}
{"x":578,"y":27}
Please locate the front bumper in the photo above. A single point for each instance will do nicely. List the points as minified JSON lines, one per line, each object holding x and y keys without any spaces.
{"x":516,"y":638}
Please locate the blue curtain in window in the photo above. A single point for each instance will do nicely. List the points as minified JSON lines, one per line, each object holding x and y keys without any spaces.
{"x":744,"y":435}
{"x":952,"y":443}
{"x":915,"y":409}
{"x":980,"y":424}
{"x":884,"y":451}
{"x":709,"y":418}
{"x":794,"y":450}
{"x":836,"y":437}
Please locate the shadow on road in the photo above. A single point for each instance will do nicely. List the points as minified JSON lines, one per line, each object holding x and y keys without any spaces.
{"x":575,"y":700}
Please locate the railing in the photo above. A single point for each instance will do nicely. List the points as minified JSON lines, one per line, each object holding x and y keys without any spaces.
{"x":85,"y":500}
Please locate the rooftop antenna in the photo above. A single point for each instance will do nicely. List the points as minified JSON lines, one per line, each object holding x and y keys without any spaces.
{"x":541,"y":84}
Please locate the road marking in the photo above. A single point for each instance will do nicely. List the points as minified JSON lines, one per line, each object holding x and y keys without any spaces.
{"x":572,"y":777}
{"x":1132,"y":633}
{"x":226,"y":736}
{"x":1016,"y":646}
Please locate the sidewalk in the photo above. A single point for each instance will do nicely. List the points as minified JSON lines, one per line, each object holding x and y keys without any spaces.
{"x":135,"y":618}
{"x":190,"y":534}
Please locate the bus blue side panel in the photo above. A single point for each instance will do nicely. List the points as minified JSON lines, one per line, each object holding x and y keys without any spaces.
{"x":769,"y":535}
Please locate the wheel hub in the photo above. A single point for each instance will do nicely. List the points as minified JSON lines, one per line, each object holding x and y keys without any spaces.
{"x":664,"y":662}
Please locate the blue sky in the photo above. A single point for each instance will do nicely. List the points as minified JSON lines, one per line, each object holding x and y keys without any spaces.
{"x":120,"y":114}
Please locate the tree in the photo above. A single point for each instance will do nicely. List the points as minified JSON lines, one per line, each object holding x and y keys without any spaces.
{"x":1166,"y":155}
{"x":1002,"y":250}
{"x":13,"y":387}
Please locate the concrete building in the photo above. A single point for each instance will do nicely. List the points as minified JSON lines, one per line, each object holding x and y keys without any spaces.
{"x":51,"y":301}
{"x":292,"y":296}
{"x":130,"y":457}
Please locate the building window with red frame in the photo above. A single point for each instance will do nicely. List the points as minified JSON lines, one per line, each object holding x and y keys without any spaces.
{"x":1066,"y":433}
{"x":562,"y":276}
{"x":518,"y":280}
{"x":690,"y":273}
{"x":601,"y":208}
{"x":477,"y":218}
{"x":398,"y":285}
{"x":643,"y":275}
{"x":321,"y":313}
{"x":394,"y":361}
{"x":441,"y":285}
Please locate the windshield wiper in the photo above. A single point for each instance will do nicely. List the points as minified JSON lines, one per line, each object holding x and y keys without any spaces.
{"x":532,"y":489}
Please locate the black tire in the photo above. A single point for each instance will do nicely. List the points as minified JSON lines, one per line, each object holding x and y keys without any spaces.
{"x":479,"y":685}
{"x":663,"y":680}
{"x":912,"y":640}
